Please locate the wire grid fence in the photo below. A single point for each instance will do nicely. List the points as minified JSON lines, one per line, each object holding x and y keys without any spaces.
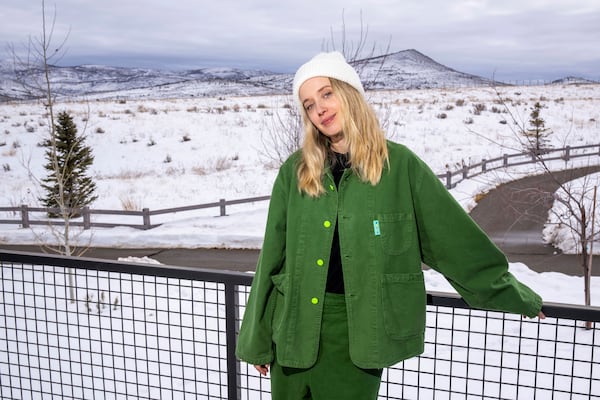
{"x":471,"y":354}
{"x":137,"y":331}
{"x":125,"y":336}
{"x":475,"y":354}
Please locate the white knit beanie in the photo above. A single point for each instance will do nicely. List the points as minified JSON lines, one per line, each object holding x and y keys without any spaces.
{"x":330,"y":65}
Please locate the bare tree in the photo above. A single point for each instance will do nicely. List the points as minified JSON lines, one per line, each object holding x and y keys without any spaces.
{"x":359,"y":53}
{"x":576,"y":204}
{"x":283,"y":133}
{"x":33,"y":63}
{"x":33,"y":70}
{"x":575,"y":210}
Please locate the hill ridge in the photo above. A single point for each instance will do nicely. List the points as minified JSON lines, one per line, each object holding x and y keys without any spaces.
{"x":404,"y":69}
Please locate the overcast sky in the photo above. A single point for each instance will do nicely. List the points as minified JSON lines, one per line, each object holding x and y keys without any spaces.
{"x":510,"y":39}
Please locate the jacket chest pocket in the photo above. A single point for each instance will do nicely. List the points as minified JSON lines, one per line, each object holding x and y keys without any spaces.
{"x":395,"y":232}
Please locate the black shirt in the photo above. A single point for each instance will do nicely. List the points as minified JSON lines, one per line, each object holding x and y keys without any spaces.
{"x":335,"y":276}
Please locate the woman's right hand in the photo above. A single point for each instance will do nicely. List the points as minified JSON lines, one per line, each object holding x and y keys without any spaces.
{"x":262,"y":369}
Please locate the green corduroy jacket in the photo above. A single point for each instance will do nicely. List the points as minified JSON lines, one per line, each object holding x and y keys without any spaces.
{"x":385,"y":232}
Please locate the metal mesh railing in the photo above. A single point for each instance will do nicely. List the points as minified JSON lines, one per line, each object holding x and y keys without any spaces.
{"x":489,"y":355}
{"x":89,"y":329}
{"x":125,"y":336}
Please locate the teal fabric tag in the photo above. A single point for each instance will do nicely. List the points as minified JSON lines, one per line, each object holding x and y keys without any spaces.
{"x":376,"y":228}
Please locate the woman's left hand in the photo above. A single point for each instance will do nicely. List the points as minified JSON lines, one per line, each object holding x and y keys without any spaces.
{"x":262,"y":369}
{"x":540,"y":315}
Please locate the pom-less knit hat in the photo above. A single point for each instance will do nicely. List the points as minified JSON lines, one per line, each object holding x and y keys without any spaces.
{"x":330,"y":65}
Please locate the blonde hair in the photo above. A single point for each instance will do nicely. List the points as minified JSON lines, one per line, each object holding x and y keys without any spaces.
{"x":367,"y":147}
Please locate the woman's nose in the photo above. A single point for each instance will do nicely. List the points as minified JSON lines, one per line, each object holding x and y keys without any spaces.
{"x":321,"y":109}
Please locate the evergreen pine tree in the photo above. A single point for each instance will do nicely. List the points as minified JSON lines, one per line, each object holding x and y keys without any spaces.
{"x":67,"y":186}
{"x":537,"y":134}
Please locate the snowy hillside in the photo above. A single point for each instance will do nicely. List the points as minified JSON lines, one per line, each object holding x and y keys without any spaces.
{"x":101,"y":81}
{"x":406,"y":69}
{"x":410,"y":69}
{"x":165,"y":153}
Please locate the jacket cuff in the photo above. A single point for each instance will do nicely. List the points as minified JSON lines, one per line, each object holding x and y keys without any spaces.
{"x":255,"y":360}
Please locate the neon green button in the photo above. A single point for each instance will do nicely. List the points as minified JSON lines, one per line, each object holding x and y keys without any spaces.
{"x":327,"y":224}
{"x":331,"y":187}
{"x":320,"y":262}
{"x":314,"y":300}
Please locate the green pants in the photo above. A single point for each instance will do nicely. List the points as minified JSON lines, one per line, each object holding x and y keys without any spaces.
{"x":333,"y":376}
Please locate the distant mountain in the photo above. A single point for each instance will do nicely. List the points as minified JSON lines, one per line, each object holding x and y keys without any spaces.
{"x":102,"y":81}
{"x":408,"y":69}
{"x":572,"y":80}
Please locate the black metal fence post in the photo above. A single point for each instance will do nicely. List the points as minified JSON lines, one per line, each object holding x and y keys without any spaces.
{"x":233,"y":377}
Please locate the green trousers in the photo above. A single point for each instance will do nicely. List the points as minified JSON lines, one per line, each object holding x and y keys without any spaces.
{"x":333,"y":376}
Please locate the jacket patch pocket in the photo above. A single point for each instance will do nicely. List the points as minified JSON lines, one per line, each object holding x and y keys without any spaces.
{"x":396,"y":232}
{"x":403,"y":304}
{"x":280,"y":281}
{"x":281,"y":288}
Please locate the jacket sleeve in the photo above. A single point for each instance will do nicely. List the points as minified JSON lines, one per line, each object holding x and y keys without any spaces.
{"x":454,"y":245}
{"x":254,"y":343}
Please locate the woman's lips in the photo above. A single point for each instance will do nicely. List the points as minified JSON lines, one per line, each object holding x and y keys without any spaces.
{"x":328,"y":120}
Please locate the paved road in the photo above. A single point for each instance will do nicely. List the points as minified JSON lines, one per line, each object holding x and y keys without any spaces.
{"x":233,"y":260}
{"x":512,"y":214}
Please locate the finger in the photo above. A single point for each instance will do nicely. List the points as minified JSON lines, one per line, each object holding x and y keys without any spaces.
{"x":541,"y":315}
{"x":262,"y":369}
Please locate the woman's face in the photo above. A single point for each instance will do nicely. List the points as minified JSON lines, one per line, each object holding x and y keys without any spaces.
{"x":323,"y":108}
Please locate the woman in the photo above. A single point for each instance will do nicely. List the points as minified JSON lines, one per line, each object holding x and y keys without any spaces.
{"x":339,"y":292}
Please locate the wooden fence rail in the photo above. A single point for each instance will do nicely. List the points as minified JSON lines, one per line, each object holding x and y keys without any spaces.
{"x":85,"y":219}
{"x":451,"y":179}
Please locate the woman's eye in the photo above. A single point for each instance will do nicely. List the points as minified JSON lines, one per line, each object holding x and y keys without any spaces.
{"x":308,"y":107}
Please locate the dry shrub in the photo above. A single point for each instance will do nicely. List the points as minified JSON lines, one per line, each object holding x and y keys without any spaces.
{"x":479,"y":197}
{"x":479,"y":108}
{"x":10,"y":153}
{"x":174,"y":171}
{"x":130,"y":204}
{"x":199,"y":170}
{"x":223,"y":163}
{"x":128,"y":174}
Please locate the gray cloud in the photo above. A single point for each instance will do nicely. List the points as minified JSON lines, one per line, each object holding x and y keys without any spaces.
{"x":535,"y":39}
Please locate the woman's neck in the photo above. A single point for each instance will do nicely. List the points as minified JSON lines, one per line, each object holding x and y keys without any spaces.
{"x":338,"y":144}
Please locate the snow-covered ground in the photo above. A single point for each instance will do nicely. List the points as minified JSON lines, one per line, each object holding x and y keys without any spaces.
{"x":164,"y":153}
{"x":170,"y":153}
